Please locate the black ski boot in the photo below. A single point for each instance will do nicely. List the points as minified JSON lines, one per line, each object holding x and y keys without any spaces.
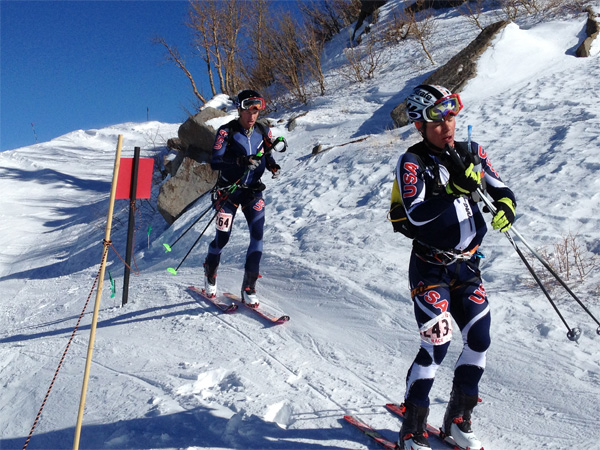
{"x":413,"y":434}
{"x":210,"y":280}
{"x":457,"y":419}
{"x":249,"y":289}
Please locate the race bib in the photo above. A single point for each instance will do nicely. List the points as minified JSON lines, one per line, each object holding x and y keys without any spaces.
{"x":438,"y":330}
{"x":224,"y":221}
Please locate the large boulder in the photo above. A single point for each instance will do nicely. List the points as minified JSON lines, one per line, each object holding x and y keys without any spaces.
{"x":591,"y":32}
{"x":196,"y":137}
{"x":192,"y":180}
{"x":191,"y":174}
{"x":456,"y":72}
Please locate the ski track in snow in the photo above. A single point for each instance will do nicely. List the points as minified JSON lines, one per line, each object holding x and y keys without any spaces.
{"x":170,"y":371}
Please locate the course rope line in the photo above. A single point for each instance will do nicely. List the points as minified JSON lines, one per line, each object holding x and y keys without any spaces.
{"x":62,"y":359}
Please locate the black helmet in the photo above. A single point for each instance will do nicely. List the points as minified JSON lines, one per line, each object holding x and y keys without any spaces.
{"x":248,"y":98}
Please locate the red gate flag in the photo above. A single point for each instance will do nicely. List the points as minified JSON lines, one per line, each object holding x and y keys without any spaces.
{"x":144,"y":181}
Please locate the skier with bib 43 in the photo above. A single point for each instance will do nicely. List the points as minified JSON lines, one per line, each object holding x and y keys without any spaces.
{"x":242,"y":153}
{"x":434,"y":201}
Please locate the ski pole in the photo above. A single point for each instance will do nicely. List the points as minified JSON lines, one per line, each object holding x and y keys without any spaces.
{"x":573,"y":333}
{"x":174,"y":271}
{"x":168,"y":247}
{"x":218,"y":204}
{"x":546,"y":265}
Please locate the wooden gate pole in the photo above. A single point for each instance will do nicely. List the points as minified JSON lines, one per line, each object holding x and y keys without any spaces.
{"x":88,"y":361}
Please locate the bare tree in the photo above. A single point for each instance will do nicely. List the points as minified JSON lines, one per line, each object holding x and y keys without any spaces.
{"x":216,"y":25}
{"x":243,"y":43}
{"x":174,"y":56}
{"x":198,"y":22}
{"x":474,"y":12}
{"x":286,"y":47}
{"x":397,"y":30}
{"x":259,"y":67}
{"x":330,"y":16}
{"x":421,"y":29}
{"x":363,"y":61}
{"x":314,"y":50}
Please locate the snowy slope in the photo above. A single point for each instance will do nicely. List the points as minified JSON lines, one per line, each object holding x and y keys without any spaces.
{"x":170,"y":372}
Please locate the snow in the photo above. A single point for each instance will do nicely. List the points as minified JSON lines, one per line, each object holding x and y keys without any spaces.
{"x":170,"y":371}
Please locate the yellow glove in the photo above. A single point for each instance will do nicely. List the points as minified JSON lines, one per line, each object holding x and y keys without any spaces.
{"x":463,"y":183}
{"x":505,"y":214}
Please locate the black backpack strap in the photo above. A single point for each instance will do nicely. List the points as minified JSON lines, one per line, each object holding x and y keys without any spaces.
{"x":233,"y":126}
{"x":426,"y":162}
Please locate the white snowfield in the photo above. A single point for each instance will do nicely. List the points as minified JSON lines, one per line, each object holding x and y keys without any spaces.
{"x":170,"y":371}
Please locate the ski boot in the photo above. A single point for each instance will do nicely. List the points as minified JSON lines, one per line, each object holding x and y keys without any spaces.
{"x":413,"y":434}
{"x":457,"y":420}
{"x":249,"y":289}
{"x":210,"y":280}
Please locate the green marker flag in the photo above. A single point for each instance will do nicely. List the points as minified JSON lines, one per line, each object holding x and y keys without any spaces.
{"x":112,"y":285}
{"x":148,"y":233}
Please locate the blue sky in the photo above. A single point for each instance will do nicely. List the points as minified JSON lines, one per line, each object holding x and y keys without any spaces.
{"x":69,"y":65}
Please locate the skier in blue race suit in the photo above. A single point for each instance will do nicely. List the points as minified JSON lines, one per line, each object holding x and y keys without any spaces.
{"x":242,"y":152}
{"x":439,"y":198}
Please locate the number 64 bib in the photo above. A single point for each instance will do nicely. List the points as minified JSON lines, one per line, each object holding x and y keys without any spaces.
{"x":224,"y":221}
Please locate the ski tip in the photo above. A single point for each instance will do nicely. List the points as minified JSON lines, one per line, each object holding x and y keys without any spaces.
{"x":283,"y":319}
{"x":171,"y":270}
{"x":167,"y":248}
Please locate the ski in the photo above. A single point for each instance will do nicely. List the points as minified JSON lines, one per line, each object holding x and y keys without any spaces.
{"x":433,"y":431}
{"x":222,"y":306}
{"x":371,"y":432}
{"x":271,"y":318}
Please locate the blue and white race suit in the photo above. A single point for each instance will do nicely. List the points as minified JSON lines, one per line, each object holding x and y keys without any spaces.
{"x":227,"y":151}
{"x":444,"y":274}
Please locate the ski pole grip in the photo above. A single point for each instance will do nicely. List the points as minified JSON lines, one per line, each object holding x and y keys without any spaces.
{"x":454,"y":156}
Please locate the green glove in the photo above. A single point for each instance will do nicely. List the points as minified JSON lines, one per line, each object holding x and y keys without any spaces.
{"x":463,"y":183}
{"x":505,"y":214}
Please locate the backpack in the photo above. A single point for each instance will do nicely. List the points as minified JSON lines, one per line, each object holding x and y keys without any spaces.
{"x":397,"y":213}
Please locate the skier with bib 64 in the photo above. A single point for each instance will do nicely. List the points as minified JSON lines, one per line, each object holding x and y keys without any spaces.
{"x":434,"y":202}
{"x":242,"y":153}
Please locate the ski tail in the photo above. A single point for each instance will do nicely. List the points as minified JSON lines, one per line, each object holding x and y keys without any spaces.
{"x":226,"y":308}
{"x":277,"y":320}
{"x":367,"y":430}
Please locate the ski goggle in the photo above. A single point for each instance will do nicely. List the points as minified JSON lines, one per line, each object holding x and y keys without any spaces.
{"x":256,"y":103}
{"x":437,"y":112}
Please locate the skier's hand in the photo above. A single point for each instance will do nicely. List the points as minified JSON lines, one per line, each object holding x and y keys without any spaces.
{"x":280,"y":144}
{"x":275,"y":170}
{"x":250,"y":161}
{"x":463,"y":182}
{"x":505,"y":214}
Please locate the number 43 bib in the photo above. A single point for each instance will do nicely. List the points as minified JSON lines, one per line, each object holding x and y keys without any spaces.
{"x":438,"y":330}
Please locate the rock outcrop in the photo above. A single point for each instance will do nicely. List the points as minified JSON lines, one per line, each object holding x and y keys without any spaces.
{"x":456,"y":72}
{"x":591,"y":31}
{"x":191,"y":174}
